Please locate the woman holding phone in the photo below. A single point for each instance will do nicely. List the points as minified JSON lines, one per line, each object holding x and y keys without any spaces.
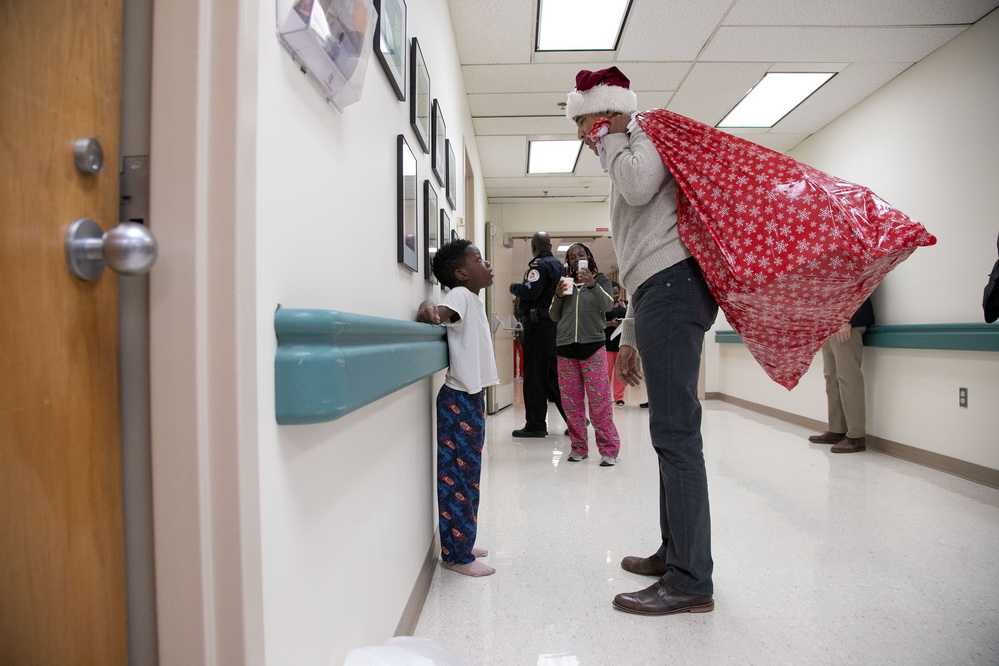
{"x":578,"y":309}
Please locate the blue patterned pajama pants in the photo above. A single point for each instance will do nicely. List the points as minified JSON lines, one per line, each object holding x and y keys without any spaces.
{"x":461,"y":433}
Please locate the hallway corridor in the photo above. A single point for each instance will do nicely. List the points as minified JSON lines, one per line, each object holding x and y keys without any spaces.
{"x":819,"y":558}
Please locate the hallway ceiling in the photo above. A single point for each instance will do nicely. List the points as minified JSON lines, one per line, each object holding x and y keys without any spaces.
{"x":694,"y":57}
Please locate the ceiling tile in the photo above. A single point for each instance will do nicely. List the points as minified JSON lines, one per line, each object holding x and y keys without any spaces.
{"x":533,"y":199}
{"x":481,"y":42}
{"x":712,"y":89}
{"x":552,"y":191}
{"x":858,"y":12}
{"x":772,"y":44}
{"x":516,"y":104}
{"x":503,"y":156}
{"x":670,"y":29}
{"x":526,"y":125}
{"x":522,"y":78}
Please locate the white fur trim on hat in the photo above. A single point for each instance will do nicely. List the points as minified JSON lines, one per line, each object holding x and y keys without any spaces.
{"x":600,"y":98}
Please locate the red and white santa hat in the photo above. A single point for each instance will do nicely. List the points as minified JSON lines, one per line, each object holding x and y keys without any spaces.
{"x":599,"y":91}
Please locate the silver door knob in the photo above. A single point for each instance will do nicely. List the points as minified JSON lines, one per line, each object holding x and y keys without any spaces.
{"x":128,"y":249}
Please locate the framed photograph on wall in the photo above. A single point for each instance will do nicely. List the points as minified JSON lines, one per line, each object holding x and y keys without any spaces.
{"x":451,"y":192}
{"x":390,"y":42}
{"x":445,"y":227}
{"x":438,"y":156}
{"x":407,"y":186}
{"x":419,"y":96}
{"x":431,"y":235}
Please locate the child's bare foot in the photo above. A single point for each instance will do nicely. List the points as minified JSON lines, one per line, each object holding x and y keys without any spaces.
{"x":473,"y":568}
{"x":480,"y":552}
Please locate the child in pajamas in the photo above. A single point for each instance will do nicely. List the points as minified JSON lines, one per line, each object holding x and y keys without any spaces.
{"x":461,"y":403}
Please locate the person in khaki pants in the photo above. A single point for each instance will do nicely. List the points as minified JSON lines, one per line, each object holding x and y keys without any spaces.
{"x":841,"y":363}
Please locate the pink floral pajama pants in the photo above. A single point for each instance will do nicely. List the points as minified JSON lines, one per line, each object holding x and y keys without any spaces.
{"x":581,"y":381}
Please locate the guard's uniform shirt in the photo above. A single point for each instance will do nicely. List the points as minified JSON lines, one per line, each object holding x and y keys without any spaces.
{"x":534,"y":296}
{"x":535,"y":293}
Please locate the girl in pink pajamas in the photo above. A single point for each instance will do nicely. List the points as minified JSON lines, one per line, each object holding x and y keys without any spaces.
{"x":579,"y":310}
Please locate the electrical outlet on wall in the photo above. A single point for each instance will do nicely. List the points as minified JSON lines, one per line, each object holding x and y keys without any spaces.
{"x":962,"y":397}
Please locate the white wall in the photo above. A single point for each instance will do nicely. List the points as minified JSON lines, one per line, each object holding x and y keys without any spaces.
{"x":346,"y":508}
{"x":927,"y":143}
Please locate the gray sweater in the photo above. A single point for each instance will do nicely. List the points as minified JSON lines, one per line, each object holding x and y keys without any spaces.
{"x":580,"y":314}
{"x":643,"y":214}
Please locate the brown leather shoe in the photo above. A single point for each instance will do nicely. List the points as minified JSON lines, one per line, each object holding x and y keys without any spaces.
{"x":659,"y":599}
{"x":644,"y":566}
{"x":851,"y":445}
{"x":827,"y":438}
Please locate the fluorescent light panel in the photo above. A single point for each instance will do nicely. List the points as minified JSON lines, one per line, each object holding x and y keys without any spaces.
{"x":775,"y":96}
{"x":553,"y":156}
{"x":580,"y":25}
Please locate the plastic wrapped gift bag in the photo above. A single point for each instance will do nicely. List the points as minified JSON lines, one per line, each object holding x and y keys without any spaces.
{"x":789,"y":252}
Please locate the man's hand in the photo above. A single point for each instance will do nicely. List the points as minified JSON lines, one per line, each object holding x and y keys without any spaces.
{"x":843,"y":334}
{"x":427,"y":313}
{"x":627,"y":365}
{"x":586,"y":277}
{"x":619,"y":123}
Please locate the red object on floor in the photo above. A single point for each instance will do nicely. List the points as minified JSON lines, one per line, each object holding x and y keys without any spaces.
{"x":788,"y":251}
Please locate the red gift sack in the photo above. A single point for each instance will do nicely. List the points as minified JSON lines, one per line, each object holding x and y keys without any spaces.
{"x":789,"y":252}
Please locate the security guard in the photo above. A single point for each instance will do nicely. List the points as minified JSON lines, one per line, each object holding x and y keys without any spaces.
{"x":534,"y":296}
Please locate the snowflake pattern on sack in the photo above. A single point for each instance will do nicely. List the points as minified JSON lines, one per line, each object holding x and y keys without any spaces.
{"x":789,"y":252}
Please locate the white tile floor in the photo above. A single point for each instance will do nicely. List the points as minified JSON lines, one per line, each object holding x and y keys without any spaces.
{"x":819,"y":558}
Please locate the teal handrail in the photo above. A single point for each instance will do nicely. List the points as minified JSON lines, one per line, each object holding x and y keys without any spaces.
{"x":330,"y":363}
{"x":953,"y":337}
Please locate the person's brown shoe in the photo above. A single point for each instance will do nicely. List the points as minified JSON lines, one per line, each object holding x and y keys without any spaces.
{"x":851,"y":445}
{"x":827,"y":438}
{"x":644,"y":566}
{"x":659,"y":599}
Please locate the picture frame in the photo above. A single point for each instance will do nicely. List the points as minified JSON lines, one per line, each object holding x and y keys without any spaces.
{"x":406,"y":202}
{"x":451,"y":189}
{"x":419,"y":96}
{"x":445,"y":227}
{"x":438,"y":156}
{"x":390,"y":43}
{"x":431,"y":230}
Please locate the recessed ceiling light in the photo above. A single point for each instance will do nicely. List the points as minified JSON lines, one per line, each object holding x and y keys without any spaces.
{"x":553,"y":156}
{"x":775,"y":96}
{"x":580,"y":25}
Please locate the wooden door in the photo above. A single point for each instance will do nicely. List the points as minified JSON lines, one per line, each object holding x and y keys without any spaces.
{"x":62,"y":580}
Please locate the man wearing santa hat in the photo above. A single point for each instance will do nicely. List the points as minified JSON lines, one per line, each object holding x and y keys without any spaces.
{"x":669,"y":312}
